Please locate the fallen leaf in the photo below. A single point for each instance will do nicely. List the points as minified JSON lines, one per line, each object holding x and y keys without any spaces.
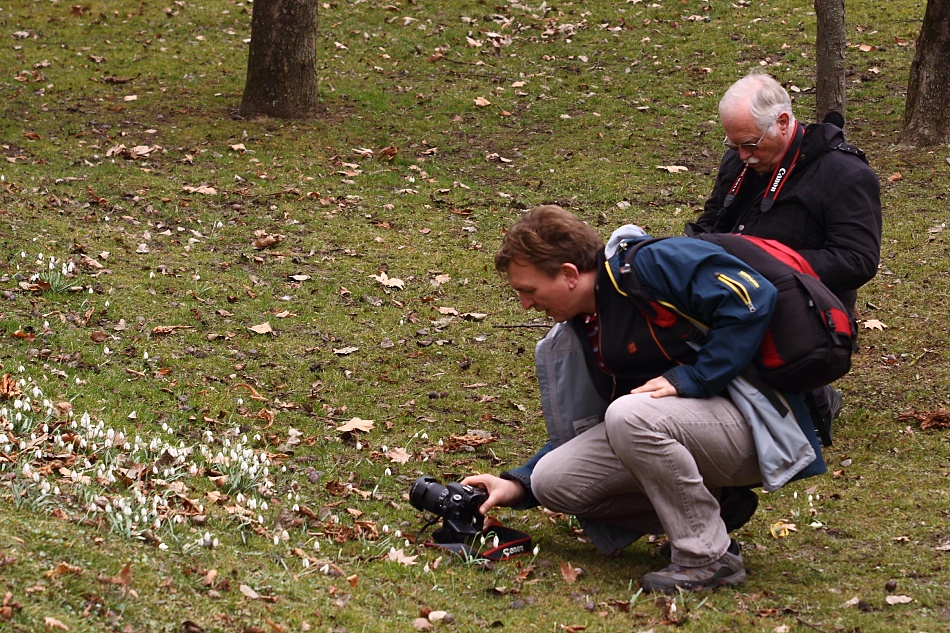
{"x":168,"y":329}
{"x":874,"y":324}
{"x":421,"y":624}
{"x":569,"y":573}
{"x":249,"y":593}
{"x":53,"y":623}
{"x":673,"y":169}
{"x":895,"y":177}
{"x":345,"y":351}
{"x":384,"y":279}
{"x":267,"y":240}
{"x":202,"y":189}
{"x":481,"y":102}
{"x":782,"y":529}
{"x":62,"y":569}
{"x":356,"y":424}
{"x":398,"y":455}
{"x":898,"y":599}
{"x":263,"y":328}
{"x":398,"y":556}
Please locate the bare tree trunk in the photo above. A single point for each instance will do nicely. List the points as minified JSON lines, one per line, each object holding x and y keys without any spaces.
{"x":282,"y":61}
{"x":829,"y":58}
{"x":927,"y":111}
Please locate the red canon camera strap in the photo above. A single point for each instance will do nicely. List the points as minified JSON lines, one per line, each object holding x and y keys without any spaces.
{"x":495,"y":542}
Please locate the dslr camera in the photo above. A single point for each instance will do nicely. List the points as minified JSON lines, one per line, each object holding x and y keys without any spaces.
{"x":456,"y":504}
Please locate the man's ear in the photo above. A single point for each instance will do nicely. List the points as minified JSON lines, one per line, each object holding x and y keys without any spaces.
{"x":571,"y":274}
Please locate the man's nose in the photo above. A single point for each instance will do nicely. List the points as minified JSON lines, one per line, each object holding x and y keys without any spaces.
{"x":526,"y":301}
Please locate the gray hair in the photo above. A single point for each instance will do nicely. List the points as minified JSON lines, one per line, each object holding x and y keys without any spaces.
{"x":762,"y":94}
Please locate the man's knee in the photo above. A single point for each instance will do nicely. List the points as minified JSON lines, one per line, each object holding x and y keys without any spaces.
{"x":633,"y":414}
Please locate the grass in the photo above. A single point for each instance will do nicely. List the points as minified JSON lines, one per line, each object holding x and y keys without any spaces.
{"x":587,"y":100}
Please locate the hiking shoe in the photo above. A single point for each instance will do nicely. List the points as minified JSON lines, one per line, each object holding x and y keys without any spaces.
{"x":728,"y":571}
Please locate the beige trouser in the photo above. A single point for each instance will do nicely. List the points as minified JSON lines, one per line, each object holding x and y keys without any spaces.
{"x":655,"y":465}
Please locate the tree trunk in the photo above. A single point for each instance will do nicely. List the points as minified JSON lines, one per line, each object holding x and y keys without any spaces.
{"x":282,"y":61}
{"x":927,"y":111}
{"x":829,"y":58}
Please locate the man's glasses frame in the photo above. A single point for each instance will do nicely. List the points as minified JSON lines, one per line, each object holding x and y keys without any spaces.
{"x":751,"y":147}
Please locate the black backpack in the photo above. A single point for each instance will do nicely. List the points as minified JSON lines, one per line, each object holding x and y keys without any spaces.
{"x":811,"y":335}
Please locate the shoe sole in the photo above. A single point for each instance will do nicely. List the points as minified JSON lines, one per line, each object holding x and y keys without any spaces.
{"x":661,"y":587}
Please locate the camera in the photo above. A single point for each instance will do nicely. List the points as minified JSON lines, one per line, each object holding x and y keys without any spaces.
{"x":456,"y":504}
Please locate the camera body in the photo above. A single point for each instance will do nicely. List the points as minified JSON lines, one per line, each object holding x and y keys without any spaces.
{"x":456,"y":504}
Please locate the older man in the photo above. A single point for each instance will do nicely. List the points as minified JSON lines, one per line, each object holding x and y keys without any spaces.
{"x":801,"y":185}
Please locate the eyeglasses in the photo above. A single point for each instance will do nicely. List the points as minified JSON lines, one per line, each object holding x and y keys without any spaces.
{"x":750,"y":147}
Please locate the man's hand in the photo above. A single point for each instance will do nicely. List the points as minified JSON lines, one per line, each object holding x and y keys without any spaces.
{"x":501,"y":492}
{"x":658,"y":387}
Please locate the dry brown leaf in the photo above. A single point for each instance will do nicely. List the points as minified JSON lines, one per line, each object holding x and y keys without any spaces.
{"x":398,"y":556}
{"x":481,"y":102}
{"x":356,"y":424}
{"x":254,"y":395}
{"x":262,"y":328}
{"x":874,"y":324}
{"x":168,"y":329}
{"x":249,"y":593}
{"x":62,"y":569}
{"x":384,"y":279}
{"x":898,"y":599}
{"x":266,"y":241}
{"x":9,"y":389}
{"x":53,"y":623}
{"x":398,"y":455}
{"x":210,"y":578}
{"x":569,"y":573}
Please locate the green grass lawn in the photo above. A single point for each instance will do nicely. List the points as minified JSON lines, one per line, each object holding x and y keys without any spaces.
{"x":230,"y":346}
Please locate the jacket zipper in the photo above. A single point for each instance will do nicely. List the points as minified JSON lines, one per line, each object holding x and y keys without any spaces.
{"x":738,"y":288}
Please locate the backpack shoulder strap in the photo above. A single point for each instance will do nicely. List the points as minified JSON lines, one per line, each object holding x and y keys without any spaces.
{"x":626,"y":282}
{"x":848,"y":148}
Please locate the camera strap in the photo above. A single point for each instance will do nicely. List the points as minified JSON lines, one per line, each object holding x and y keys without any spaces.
{"x":495,"y":542}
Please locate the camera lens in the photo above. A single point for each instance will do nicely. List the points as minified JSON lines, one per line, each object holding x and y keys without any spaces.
{"x":428,"y":494}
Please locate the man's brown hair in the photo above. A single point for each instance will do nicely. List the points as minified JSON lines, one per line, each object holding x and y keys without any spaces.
{"x":548,"y":236}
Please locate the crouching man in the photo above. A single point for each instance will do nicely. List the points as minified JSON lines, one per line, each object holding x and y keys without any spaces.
{"x":646,"y":428}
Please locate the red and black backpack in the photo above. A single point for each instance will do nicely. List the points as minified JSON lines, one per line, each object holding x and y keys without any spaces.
{"x":811,"y":335}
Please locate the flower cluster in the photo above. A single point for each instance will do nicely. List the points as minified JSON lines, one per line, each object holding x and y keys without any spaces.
{"x":139,"y":488}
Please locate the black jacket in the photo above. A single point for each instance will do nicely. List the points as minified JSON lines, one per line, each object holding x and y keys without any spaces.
{"x":829,"y":209}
